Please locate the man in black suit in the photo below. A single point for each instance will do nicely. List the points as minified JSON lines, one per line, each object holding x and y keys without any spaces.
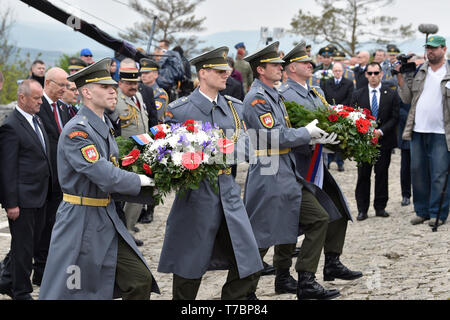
{"x":54,"y":117}
{"x":360,"y":69}
{"x":384,"y":104}
{"x":338,"y":90}
{"x":25,"y":179}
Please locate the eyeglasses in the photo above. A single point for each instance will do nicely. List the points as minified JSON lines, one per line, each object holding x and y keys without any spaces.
{"x":59,"y":84}
{"x":88,"y":55}
{"x":373,"y":73}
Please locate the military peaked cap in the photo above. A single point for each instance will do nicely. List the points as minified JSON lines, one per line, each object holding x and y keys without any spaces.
{"x":95,"y":73}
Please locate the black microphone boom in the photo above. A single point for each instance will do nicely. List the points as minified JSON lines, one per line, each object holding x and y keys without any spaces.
{"x":88,"y":29}
{"x":428,"y":28}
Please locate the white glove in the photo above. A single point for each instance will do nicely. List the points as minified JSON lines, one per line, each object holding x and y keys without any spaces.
{"x":146,"y":181}
{"x":326,"y":139}
{"x":313,"y":130}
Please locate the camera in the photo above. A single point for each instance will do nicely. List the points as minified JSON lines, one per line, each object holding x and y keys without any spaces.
{"x":406,"y":66}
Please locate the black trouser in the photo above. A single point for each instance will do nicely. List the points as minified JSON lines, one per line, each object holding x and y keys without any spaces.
{"x":405,"y":173}
{"x":362,"y":192}
{"x":234,"y":288}
{"x":43,"y":243}
{"x":25,"y":231}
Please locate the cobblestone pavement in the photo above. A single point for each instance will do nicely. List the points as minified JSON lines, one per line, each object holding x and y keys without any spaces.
{"x":398,"y":260}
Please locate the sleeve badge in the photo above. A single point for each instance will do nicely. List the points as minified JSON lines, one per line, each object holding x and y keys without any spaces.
{"x":256,"y":101}
{"x":267,"y":120}
{"x":78,"y":134}
{"x":158,"y":105}
{"x":90,"y":153}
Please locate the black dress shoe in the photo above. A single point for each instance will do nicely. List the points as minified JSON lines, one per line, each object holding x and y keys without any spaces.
{"x":6,"y":289}
{"x":333,"y":268}
{"x":26,"y":296}
{"x":296,"y":252}
{"x":382,"y":213}
{"x":138,"y":242}
{"x":308,"y":288}
{"x":284,"y":282}
{"x":405,"y":201}
{"x":341,"y":168}
{"x":36,"y":280}
{"x":268,"y":269}
{"x":135,"y":229}
{"x":252,"y":296}
{"x":146,"y":215}
{"x":362,"y":216}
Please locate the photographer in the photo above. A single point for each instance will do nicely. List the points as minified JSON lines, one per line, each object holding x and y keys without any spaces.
{"x":428,"y":128}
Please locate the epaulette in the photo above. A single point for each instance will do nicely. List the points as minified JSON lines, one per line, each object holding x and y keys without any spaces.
{"x":178,"y":103}
{"x":284,"y":87}
{"x":83,"y":121}
{"x":260,"y":90}
{"x":232,"y":99}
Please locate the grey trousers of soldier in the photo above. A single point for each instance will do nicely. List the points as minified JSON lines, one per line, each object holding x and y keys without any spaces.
{"x":132,"y":213}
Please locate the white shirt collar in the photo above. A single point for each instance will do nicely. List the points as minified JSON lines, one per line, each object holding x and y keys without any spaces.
{"x":212,"y":100}
{"x":377,"y":88}
{"x":27,"y":115}
{"x":50,"y":101}
{"x":304,"y":86}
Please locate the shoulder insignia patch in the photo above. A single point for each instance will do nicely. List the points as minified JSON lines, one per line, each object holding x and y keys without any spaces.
{"x":158,"y":104}
{"x":256,"y":101}
{"x":267,"y":120}
{"x":168,"y":114}
{"x":90,"y":153}
{"x":74,"y":134}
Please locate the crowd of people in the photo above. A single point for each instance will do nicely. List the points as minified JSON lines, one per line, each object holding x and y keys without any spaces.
{"x":60,"y":158}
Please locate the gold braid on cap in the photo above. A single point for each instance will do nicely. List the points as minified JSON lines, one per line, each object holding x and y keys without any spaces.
{"x":270,"y":59}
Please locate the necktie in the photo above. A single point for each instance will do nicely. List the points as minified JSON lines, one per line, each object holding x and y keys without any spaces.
{"x":71,"y":110}
{"x":137,"y":102}
{"x":55,"y":114}
{"x":337,"y":81}
{"x":38,"y":132}
{"x":374,"y":104}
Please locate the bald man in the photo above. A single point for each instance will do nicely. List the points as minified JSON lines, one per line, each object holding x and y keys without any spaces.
{"x":360,"y":69}
{"x":54,"y":118}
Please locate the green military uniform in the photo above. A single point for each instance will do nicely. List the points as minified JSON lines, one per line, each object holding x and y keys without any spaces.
{"x":279,"y":201}
{"x":160,"y":95}
{"x":322,"y":72}
{"x":247,"y":75}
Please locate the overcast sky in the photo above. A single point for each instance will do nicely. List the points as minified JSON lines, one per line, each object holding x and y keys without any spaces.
{"x":233,"y":14}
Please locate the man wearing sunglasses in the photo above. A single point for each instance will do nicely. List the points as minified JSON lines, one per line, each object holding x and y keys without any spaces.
{"x":384,"y":104}
{"x":86,"y":56}
{"x":428,"y":128}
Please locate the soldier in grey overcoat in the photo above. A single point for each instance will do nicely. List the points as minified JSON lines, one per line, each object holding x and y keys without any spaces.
{"x":206,"y":230}
{"x":279,"y":201}
{"x":91,"y":254}
{"x":299,"y":68}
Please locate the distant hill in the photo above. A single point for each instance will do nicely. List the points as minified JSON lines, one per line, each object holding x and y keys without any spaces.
{"x":53,"y":39}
